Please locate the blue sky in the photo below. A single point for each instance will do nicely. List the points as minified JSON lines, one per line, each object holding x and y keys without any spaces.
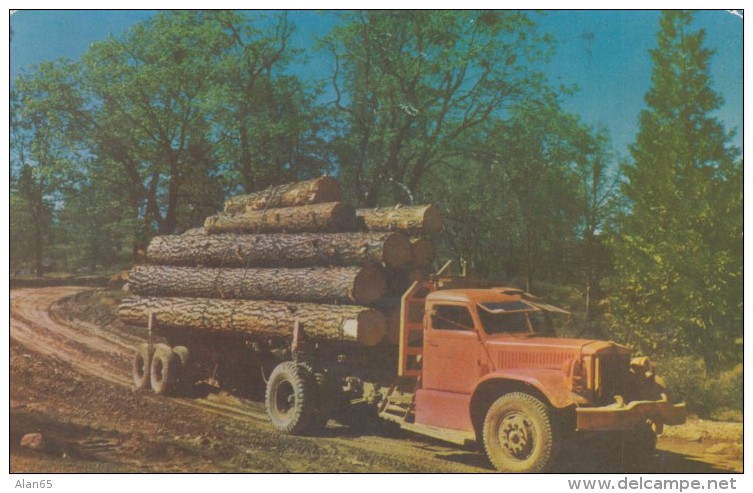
{"x":603,"y":53}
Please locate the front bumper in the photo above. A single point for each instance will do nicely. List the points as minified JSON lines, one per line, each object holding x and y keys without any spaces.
{"x":625,"y":417}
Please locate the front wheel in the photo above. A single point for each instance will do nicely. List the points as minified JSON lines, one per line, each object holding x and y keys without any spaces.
{"x":291,"y":398}
{"x":518,"y":434}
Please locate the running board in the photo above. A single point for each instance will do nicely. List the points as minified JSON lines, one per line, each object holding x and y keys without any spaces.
{"x":457,"y":437}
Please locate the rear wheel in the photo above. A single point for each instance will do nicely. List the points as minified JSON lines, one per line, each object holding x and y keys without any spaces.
{"x":164,"y":369}
{"x":291,"y":398}
{"x":518,"y":434}
{"x":142,"y":362}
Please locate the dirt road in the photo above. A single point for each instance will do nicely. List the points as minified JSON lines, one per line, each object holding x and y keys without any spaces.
{"x":70,"y":381}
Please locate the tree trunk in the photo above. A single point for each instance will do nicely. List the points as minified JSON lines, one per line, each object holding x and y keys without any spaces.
{"x":334,"y":323}
{"x":360,"y":285}
{"x":299,"y":250}
{"x":316,"y":191}
{"x":417,"y":219}
{"x":329,"y":217}
{"x":424,"y":252}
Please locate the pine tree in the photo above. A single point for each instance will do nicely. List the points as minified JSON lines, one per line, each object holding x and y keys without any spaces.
{"x":679,"y":249}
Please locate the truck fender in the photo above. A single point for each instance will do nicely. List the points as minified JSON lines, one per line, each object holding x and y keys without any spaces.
{"x":552,"y":384}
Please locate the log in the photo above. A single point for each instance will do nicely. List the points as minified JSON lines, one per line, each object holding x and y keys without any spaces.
{"x":359,"y":285}
{"x":399,"y":280}
{"x":419,"y":219}
{"x":299,"y":250}
{"x":195,"y":232}
{"x":424,"y":252}
{"x":329,"y":217}
{"x":333,"y":323}
{"x":392,"y":333}
{"x":316,"y":191}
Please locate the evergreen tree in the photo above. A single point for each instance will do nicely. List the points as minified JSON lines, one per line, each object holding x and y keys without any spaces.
{"x":679,"y":251}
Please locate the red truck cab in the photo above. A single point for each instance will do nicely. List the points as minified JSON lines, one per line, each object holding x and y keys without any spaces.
{"x":489,"y":369}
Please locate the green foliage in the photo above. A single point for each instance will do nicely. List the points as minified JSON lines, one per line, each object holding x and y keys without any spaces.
{"x":270,"y":129}
{"x":679,"y":246}
{"x":528,"y":200}
{"x":706,"y":394}
{"x":150,"y":130}
{"x":45,"y":157}
{"x":412,"y":86}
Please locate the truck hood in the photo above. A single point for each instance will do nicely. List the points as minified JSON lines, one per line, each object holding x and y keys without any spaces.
{"x":513,"y":352}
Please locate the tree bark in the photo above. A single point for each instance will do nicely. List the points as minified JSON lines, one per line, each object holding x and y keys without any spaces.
{"x":419,"y":219}
{"x":329,"y":217}
{"x":359,"y":285}
{"x":316,"y":191}
{"x":299,"y":250}
{"x":333,"y":323}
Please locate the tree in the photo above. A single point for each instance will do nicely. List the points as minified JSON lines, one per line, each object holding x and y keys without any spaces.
{"x":270,"y":129}
{"x":598,"y":195}
{"x":679,"y":247}
{"x":411,"y":84}
{"x":148,"y":121}
{"x":527,"y":200}
{"x":45,"y":157}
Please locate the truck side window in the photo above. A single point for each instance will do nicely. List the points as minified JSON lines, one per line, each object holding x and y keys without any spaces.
{"x":449,"y":317}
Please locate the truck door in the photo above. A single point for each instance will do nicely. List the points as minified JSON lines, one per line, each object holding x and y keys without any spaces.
{"x":451,"y":350}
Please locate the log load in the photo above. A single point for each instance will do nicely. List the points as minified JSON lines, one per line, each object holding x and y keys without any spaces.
{"x":329,"y":217}
{"x":424,"y":252}
{"x":419,"y":219}
{"x":349,"y":323}
{"x":359,"y":285}
{"x":399,"y":280}
{"x":316,"y":191}
{"x":299,"y":250}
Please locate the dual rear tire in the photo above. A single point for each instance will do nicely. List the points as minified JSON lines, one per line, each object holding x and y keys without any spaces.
{"x":159,"y":367}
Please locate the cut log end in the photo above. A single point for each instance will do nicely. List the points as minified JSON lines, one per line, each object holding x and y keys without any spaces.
{"x":397,"y":251}
{"x":369,"y":286}
{"x":372,"y":327}
{"x":424,"y":252}
{"x":433,"y":220}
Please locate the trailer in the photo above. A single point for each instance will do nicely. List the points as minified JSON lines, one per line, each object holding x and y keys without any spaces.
{"x":475,"y":363}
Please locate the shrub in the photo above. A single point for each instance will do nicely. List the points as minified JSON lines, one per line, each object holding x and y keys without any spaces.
{"x":706,"y":395}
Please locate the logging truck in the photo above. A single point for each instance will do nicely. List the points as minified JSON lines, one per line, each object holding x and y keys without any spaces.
{"x":474,"y":364}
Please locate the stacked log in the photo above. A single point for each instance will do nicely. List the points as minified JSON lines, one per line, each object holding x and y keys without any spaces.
{"x":290,"y":250}
{"x":419,"y":219}
{"x":360,"y":285}
{"x":293,"y":252}
{"x":330,"y":217}
{"x":365,"y":326}
{"x":316,"y":191}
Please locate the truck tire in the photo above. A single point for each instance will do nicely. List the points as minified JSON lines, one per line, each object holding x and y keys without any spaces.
{"x":518,"y":435}
{"x":142,"y":362}
{"x":291,"y":398}
{"x":184,"y":381}
{"x":183,"y":355}
{"x":164,"y":369}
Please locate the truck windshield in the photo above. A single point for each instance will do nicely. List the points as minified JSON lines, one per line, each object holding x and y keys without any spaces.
{"x":514,"y":318}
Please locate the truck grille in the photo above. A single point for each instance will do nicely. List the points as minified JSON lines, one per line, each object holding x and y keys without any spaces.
{"x":611,"y":377}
